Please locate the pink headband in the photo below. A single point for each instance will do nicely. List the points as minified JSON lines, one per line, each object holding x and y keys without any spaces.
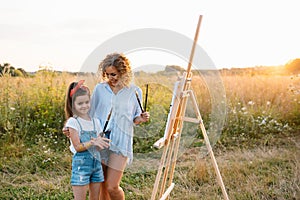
{"x":79,"y":85}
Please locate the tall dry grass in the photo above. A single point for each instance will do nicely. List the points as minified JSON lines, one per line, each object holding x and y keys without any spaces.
{"x":257,"y":153}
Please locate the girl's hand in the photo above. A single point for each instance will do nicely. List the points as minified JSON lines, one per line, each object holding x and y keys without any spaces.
{"x":100,"y":142}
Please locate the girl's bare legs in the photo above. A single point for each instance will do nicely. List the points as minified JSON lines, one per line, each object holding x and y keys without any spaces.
{"x":94,"y":191}
{"x":80,"y":192}
{"x":114,"y":173}
{"x":104,"y":195}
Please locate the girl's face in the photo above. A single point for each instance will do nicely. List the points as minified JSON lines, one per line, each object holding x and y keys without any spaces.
{"x":82,"y":105}
{"x":113,"y":75}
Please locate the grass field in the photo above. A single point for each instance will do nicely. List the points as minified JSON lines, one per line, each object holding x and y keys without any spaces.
{"x":258,"y":152}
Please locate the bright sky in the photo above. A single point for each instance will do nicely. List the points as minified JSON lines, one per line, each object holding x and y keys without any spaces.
{"x":62,"y":33}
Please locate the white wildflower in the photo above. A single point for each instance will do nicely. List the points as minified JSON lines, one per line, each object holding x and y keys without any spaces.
{"x":263,"y":122}
{"x":251,"y":103}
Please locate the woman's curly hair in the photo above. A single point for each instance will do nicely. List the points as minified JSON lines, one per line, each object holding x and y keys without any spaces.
{"x":121,"y":63}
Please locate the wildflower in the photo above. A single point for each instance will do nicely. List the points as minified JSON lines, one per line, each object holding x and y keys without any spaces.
{"x":46,"y":160}
{"x":286,"y":126}
{"x":263,"y":122}
{"x":251,"y":103}
{"x":268,"y":103}
{"x":12,"y":108}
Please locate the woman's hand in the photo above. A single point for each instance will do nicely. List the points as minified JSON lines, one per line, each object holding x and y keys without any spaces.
{"x":144,"y":117}
{"x":66,"y":131}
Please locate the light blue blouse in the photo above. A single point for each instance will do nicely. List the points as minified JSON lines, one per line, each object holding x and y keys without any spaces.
{"x":125,"y":108}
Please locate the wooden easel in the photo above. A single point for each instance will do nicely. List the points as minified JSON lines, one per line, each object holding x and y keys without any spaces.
{"x":171,"y":139}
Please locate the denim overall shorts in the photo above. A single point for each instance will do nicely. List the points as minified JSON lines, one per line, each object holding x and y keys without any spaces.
{"x":86,"y":165}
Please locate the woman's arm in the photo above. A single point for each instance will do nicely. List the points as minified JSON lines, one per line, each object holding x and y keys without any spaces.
{"x":94,"y":100}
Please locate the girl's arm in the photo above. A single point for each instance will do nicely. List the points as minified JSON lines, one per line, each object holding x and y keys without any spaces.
{"x":79,"y":147}
{"x":101,"y":142}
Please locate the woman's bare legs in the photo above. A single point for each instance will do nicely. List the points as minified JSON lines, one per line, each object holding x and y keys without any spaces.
{"x":114,"y":173}
{"x":104,"y":195}
{"x":113,"y":184}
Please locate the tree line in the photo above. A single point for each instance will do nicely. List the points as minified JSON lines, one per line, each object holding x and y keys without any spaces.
{"x":290,"y":68}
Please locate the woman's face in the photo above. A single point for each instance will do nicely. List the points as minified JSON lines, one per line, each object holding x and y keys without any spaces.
{"x":113,"y":75}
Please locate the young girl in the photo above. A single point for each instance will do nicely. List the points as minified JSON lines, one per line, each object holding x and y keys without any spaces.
{"x":84,"y":131}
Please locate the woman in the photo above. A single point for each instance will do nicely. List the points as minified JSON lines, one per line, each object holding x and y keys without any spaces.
{"x":119,"y":96}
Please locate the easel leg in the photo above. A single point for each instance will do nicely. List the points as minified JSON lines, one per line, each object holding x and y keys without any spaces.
{"x":208,"y":146}
{"x":159,"y":172}
{"x":167,"y":166}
